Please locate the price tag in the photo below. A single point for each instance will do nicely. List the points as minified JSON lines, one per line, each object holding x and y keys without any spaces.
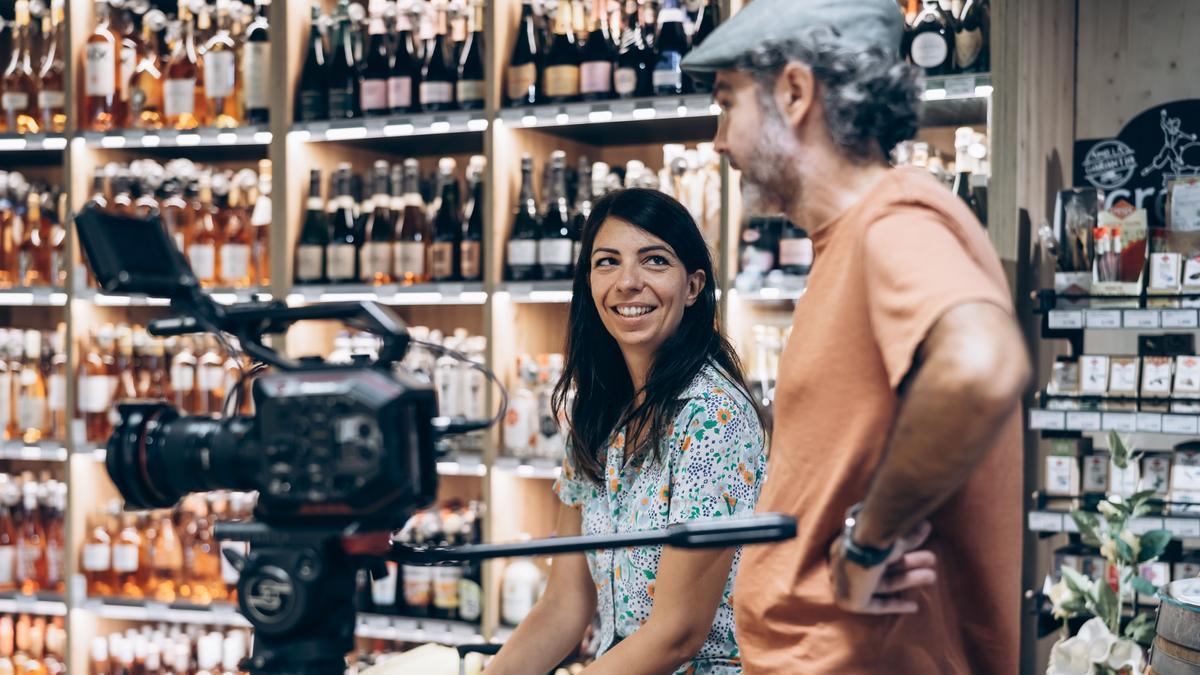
{"x":1141,"y":318}
{"x":26,"y":604}
{"x":406,"y":626}
{"x":1179,"y":318}
{"x":1178,"y":424}
{"x":1046,"y":419}
{"x":1083,"y":421}
{"x":1044,"y":521}
{"x":1149,"y":422}
{"x":381,"y":622}
{"x":157,"y":611}
{"x":1069,"y":524}
{"x":1144,"y":525}
{"x":1182,"y":528}
{"x":1103,"y":318}
{"x":959,"y":86}
{"x":1065,"y":320}
{"x":1127,"y":422}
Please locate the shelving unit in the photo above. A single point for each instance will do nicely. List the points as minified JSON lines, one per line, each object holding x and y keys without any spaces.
{"x":516,"y":317}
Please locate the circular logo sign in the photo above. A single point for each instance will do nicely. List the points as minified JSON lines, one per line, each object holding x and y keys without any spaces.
{"x":269,"y":597}
{"x":1109,"y":165}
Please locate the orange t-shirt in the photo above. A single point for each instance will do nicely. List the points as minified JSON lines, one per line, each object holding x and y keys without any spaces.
{"x":886,"y":270}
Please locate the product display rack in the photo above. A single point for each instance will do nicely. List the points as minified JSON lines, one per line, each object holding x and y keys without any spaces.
{"x":516,"y":317}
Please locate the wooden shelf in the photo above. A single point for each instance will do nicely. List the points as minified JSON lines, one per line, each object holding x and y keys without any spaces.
{"x":399,"y":126}
{"x":170,"y":138}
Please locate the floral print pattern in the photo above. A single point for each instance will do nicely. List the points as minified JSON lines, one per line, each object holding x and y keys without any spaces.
{"x":712,"y":466}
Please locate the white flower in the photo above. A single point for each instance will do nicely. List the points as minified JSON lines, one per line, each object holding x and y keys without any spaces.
{"x":1060,"y":594}
{"x":1108,"y":551}
{"x":1133,"y":541}
{"x":1107,"y":509}
{"x":1126,"y":654}
{"x":1099,"y":640}
{"x":1070,"y":657}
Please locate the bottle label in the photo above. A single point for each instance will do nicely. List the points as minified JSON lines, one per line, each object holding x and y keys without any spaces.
{"x":220,"y":74}
{"x":51,"y":100}
{"x":312,"y":106}
{"x":562,"y":81}
{"x":517,"y":600}
{"x":437,"y":92}
{"x":15,"y":101}
{"x":471,"y":255}
{"x":95,"y":393}
{"x":54,"y":563}
{"x":5,"y":400}
{"x":28,"y":555}
{"x":410,"y":259}
{"x":31,"y":412}
{"x":445,"y":586}
{"x":968,"y":45}
{"x":210,"y":378}
{"x":183,"y":377}
{"x":179,"y":97}
{"x":235,"y":262}
{"x":399,"y":93}
{"x":97,"y":557}
{"x":441,"y":255}
{"x":595,"y":77}
{"x":470,"y":90}
{"x":341,"y":103}
{"x":256,"y":73}
{"x":203,"y":258}
{"x":418,"y":585}
{"x":101,"y":76}
{"x":470,"y":600}
{"x":308,"y":262}
{"x":124,"y":558}
{"x":383,"y":590}
{"x":373,"y":94}
{"x":667,"y":74}
{"x":555,"y":251}
{"x":8,"y":556}
{"x":796,"y":252}
{"x":24,"y":266}
{"x":519,"y":80}
{"x":56,"y":392}
{"x":625,"y":81}
{"x":376,"y":258}
{"x":341,"y":262}
{"x":929,"y":49}
{"x":522,"y":252}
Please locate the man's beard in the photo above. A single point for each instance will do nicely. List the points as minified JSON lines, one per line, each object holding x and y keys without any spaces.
{"x":770,"y":183}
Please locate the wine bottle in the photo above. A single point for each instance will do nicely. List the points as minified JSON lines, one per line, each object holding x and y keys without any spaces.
{"x":560,"y":79}
{"x":101,"y":102}
{"x":634,"y":76}
{"x":341,"y":255}
{"x":376,"y":69}
{"x":598,"y":58}
{"x":256,"y":67}
{"x":583,"y":204}
{"x":669,"y":50}
{"x":930,"y":43}
{"x":470,"y":87}
{"x":471,"y":251}
{"x":314,"y":236}
{"x":795,"y":250}
{"x":556,"y":247}
{"x":710,"y":18}
{"x":184,"y":79}
{"x":343,"y":71}
{"x":527,"y":230}
{"x":447,"y":227}
{"x":412,"y":238}
{"x":312,"y":102}
{"x":440,"y":72}
{"x":521,"y":76}
{"x":972,"y":36}
{"x":220,"y":72}
{"x":405,"y":74}
{"x":376,"y":258}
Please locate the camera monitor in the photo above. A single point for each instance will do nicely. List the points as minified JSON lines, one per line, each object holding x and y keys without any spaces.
{"x":132,"y":255}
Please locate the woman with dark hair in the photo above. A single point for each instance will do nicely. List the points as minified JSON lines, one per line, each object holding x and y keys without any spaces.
{"x":662,"y":429}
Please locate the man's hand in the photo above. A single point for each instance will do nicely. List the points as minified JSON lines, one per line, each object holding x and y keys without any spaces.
{"x":872,"y":591}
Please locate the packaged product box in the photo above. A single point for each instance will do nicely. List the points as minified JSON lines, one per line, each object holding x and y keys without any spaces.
{"x":1095,"y":473}
{"x":1120,"y":254}
{"x":1156,"y":376}
{"x":1123,"y":482}
{"x":1093,"y":375}
{"x":1156,"y":473}
{"x":1062,"y":469}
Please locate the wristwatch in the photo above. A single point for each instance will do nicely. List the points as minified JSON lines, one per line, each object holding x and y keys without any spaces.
{"x":863,"y":556}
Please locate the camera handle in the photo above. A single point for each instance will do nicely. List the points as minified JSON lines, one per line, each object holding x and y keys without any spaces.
{"x":296,"y":587}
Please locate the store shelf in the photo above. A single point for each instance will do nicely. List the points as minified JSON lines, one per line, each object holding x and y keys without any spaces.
{"x":46,"y":451}
{"x":544,"y":469}
{"x":422,"y":294}
{"x":30,"y":143}
{"x":968,"y":86}
{"x":1042,"y":419}
{"x":39,"y":605}
{"x":464,"y":465}
{"x":770,"y":294}
{"x":425,"y":124}
{"x":218,"y":614}
{"x":223,"y":296}
{"x":1122,"y":319}
{"x":622,"y":121}
{"x":548,"y":292}
{"x":405,"y":629}
{"x":956,"y":100}
{"x":169,"y":138}
{"x":1180,"y":527}
{"x":33,"y":296}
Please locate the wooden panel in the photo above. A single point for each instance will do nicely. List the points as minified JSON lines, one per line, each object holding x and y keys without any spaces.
{"x":1133,"y":55}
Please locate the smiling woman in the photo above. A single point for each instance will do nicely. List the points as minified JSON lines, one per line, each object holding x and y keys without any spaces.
{"x":661,"y":430}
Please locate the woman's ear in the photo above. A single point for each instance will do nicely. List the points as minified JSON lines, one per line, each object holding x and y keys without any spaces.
{"x":695,"y":283}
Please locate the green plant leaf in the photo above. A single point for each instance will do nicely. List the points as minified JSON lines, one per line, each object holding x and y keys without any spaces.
{"x":1139,"y":502}
{"x":1141,"y":629}
{"x":1076,"y":582}
{"x":1120,"y":452}
{"x":1143,"y":586}
{"x":1108,"y":606}
{"x":1125,"y":551}
{"x":1153,"y":543}
{"x":1089,"y":525}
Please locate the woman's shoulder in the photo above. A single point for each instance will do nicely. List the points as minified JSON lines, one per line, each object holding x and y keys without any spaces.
{"x":713,"y":388}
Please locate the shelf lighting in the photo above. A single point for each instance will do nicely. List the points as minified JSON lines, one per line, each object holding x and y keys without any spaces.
{"x":439,"y":127}
{"x":301,"y":135}
{"x":112,"y":142}
{"x":55,"y":143}
{"x":529,"y":120}
{"x":16,"y":299}
{"x":477,"y":125}
{"x":263,"y":137}
{"x":473,"y":297}
{"x":347,"y":134}
{"x":188,"y":139}
{"x":398,"y":130}
{"x":429,"y":298}
{"x":58,"y":299}
{"x":12,"y":144}
{"x":934,"y":95}
{"x":983,"y":90}
{"x":682,"y":110}
{"x":714,"y":109}
{"x":599,"y":116}
{"x":562,"y":118}
{"x":151,"y":140}
{"x":347,"y":297}
{"x":224,"y":298}
{"x":227,"y":138}
{"x":644,"y":113}
{"x":550,"y":296}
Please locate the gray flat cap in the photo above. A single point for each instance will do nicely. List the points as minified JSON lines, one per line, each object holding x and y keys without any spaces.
{"x":861,"y":23}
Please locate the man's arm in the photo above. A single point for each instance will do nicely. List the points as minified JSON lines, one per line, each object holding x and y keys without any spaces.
{"x":968,"y":377}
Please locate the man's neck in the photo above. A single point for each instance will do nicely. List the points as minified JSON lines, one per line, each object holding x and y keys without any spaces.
{"x":832,"y":187}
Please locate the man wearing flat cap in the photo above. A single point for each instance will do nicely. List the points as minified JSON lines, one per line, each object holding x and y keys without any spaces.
{"x":897,"y":425}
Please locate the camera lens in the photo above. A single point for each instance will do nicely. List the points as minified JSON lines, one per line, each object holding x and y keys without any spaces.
{"x":155,"y":456}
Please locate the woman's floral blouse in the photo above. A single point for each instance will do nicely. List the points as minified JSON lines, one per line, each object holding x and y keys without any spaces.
{"x":711,"y":466}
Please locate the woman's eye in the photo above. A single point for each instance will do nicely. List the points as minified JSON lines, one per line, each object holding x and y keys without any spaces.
{"x":605,"y":262}
{"x":657,"y":260}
